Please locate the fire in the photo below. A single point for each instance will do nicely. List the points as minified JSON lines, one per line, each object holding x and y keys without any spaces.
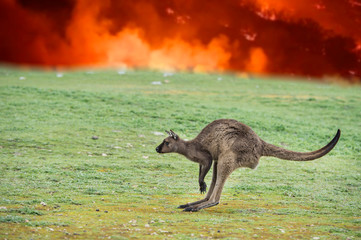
{"x":307,"y":37}
{"x":258,"y":61}
{"x":176,"y":53}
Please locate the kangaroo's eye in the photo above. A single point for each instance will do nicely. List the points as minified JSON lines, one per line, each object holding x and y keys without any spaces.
{"x":167,"y":143}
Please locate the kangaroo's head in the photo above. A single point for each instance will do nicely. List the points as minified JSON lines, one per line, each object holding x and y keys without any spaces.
{"x":169,"y":144}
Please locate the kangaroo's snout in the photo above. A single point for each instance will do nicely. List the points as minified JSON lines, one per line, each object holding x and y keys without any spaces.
{"x":159,"y":148}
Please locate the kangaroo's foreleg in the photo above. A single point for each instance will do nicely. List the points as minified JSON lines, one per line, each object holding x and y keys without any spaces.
{"x":203,"y":170}
{"x":214,"y":179}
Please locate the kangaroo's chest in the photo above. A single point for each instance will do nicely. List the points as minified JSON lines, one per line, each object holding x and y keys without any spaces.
{"x":201,"y":156}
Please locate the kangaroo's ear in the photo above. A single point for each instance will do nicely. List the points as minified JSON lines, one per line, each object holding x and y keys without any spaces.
{"x":169,"y":133}
{"x":174,"y":135}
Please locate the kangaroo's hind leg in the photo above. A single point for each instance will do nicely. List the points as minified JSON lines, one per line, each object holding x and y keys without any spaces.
{"x":224,"y":169}
{"x":214,"y":179}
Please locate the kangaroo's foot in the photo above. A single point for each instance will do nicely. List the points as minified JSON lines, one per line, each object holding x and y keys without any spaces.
{"x":193,"y":203}
{"x":198,"y":207}
{"x":184,"y":205}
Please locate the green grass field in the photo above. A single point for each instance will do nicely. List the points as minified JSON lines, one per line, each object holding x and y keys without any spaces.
{"x":57,"y":182}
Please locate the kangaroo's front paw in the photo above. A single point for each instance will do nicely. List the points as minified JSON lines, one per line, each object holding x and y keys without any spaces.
{"x":202,"y":187}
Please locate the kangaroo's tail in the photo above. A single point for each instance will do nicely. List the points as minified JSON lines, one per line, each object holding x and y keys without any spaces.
{"x":274,"y":151}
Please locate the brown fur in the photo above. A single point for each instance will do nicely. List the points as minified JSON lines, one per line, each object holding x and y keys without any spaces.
{"x":231,"y":145}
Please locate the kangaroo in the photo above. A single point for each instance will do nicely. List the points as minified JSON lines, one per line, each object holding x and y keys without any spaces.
{"x":230,"y":145}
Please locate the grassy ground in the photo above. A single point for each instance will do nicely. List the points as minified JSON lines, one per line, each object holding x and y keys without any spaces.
{"x":57,"y":182}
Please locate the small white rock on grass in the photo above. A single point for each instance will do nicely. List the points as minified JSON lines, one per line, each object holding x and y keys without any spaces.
{"x":157,"y":83}
{"x":158,"y":133}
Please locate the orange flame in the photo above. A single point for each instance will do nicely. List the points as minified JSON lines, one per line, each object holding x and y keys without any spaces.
{"x":265,"y":36}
